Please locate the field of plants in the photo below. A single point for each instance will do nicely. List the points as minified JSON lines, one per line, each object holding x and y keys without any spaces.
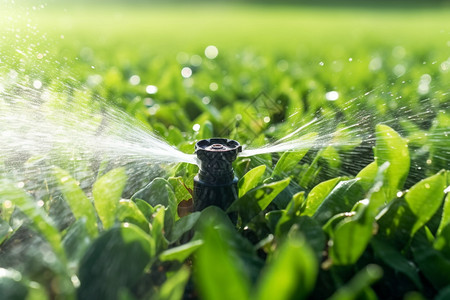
{"x":353,"y":204}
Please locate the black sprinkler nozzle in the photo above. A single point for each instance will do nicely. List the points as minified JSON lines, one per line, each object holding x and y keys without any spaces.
{"x":216,"y":184}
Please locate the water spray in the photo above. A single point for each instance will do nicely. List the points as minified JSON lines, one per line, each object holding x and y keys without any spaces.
{"x":216,"y":183}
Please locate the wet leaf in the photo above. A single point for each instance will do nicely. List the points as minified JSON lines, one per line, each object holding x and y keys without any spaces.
{"x":291,"y":273}
{"x":288,"y":161}
{"x":127,"y":211}
{"x":215,"y":252}
{"x":318,"y":194}
{"x":393,"y":258}
{"x":183,"y":225}
{"x":80,"y":205}
{"x":445,"y":219}
{"x":107,"y":191}
{"x":257,"y":199}
{"x":250,"y":179}
{"x":116,"y":260}
{"x":425,"y":197}
{"x":434,"y":265}
{"x":341,"y":199}
{"x":391,"y":147}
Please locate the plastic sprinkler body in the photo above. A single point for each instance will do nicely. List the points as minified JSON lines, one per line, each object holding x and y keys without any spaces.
{"x":215,"y":184}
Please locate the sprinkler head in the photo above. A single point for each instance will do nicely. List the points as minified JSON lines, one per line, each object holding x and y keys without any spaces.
{"x":215,"y":184}
{"x":216,"y":156}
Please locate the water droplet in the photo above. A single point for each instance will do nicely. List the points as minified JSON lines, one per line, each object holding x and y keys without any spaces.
{"x":211,"y":52}
{"x":135,"y":79}
{"x":332,"y":96}
{"x":186,"y":72}
{"x":7,"y":204}
{"x":75,"y":281}
{"x":399,"y":194}
{"x":350,"y":59}
{"x":427,"y":185}
{"x":375,"y":64}
{"x":37,"y":84}
{"x":266,"y":119}
{"x":196,"y":60}
{"x":321,"y":63}
{"x":213,"y":86}
{"x":196,"y":127}
{"x":151,"y":89}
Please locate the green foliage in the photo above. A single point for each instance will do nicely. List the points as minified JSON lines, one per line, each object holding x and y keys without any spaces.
{"x":333,"y":220}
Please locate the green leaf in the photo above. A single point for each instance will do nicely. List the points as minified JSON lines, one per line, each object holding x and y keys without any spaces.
{"x":425,"y":197}
{"x":290,"y":274}
{"x":253,"y":202}
{"x":288,"y":161}
{"x":183,"y":225}
{"x":434,"y":265}
{"x":318,"y":194}
{"x":250,"y":179}
{"x":157,"y":230}
{"x":367,"y":175}
{"x":116,"y":260}
{"x":80,"y":205}
{"x":173,"y":287}
{"x":41,"y":222}
{"x":76,"y":241}
{"x":362,"y":280}
{"x":341,"y":199}
{"x":445,"y":220}
{"x":127,"y":211}
{"x":180,"y":253}
{"x":5,"y":230}
{"x":107,"y":191}
{"x":350,"y":239}
{"x":225,"y":273}
{"x":394,"y":259}
{"x":391,"y":147}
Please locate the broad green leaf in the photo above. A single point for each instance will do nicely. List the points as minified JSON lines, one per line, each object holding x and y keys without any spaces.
{"x":396,"y":223}
{"x":341,"y":199}
{"x":331,"y":156}
{"x":288,"y":161}
{"x":157,"y":229}
{"x":445,"y":220}
{"x":225,"y":280}
{"x":393,"y":258}
{"x":80,"y":205}
{"x":434,"y":265}
{"x":146,"y":209}
{"x":351,"y":236}
{"x":173,"y":287}
{"x":391,"y":147}
{"x":308,"y":228}
{"x":250,"y":179}
{"x":183,"y":225}
{"x":356,"y":286}
{"x":107,"y":191}
{"x":290,"y":274}
{"x":116,"y":260}
{"x":127,"y":211}
{"x":367,"y":175}
{"x":181,"y":192}
{"x":76,"y":241}
{"x":258,"y":199}
{"x":425,"y":197}
{"x":318,"y":194}
{"x":180,"y":253}
{"x":18,"y":197}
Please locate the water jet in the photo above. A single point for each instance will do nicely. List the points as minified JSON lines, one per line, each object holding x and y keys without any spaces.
{"x":216,"y":183}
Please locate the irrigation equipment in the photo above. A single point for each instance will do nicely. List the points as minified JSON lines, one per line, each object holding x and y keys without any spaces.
{"x":215,"y":184}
